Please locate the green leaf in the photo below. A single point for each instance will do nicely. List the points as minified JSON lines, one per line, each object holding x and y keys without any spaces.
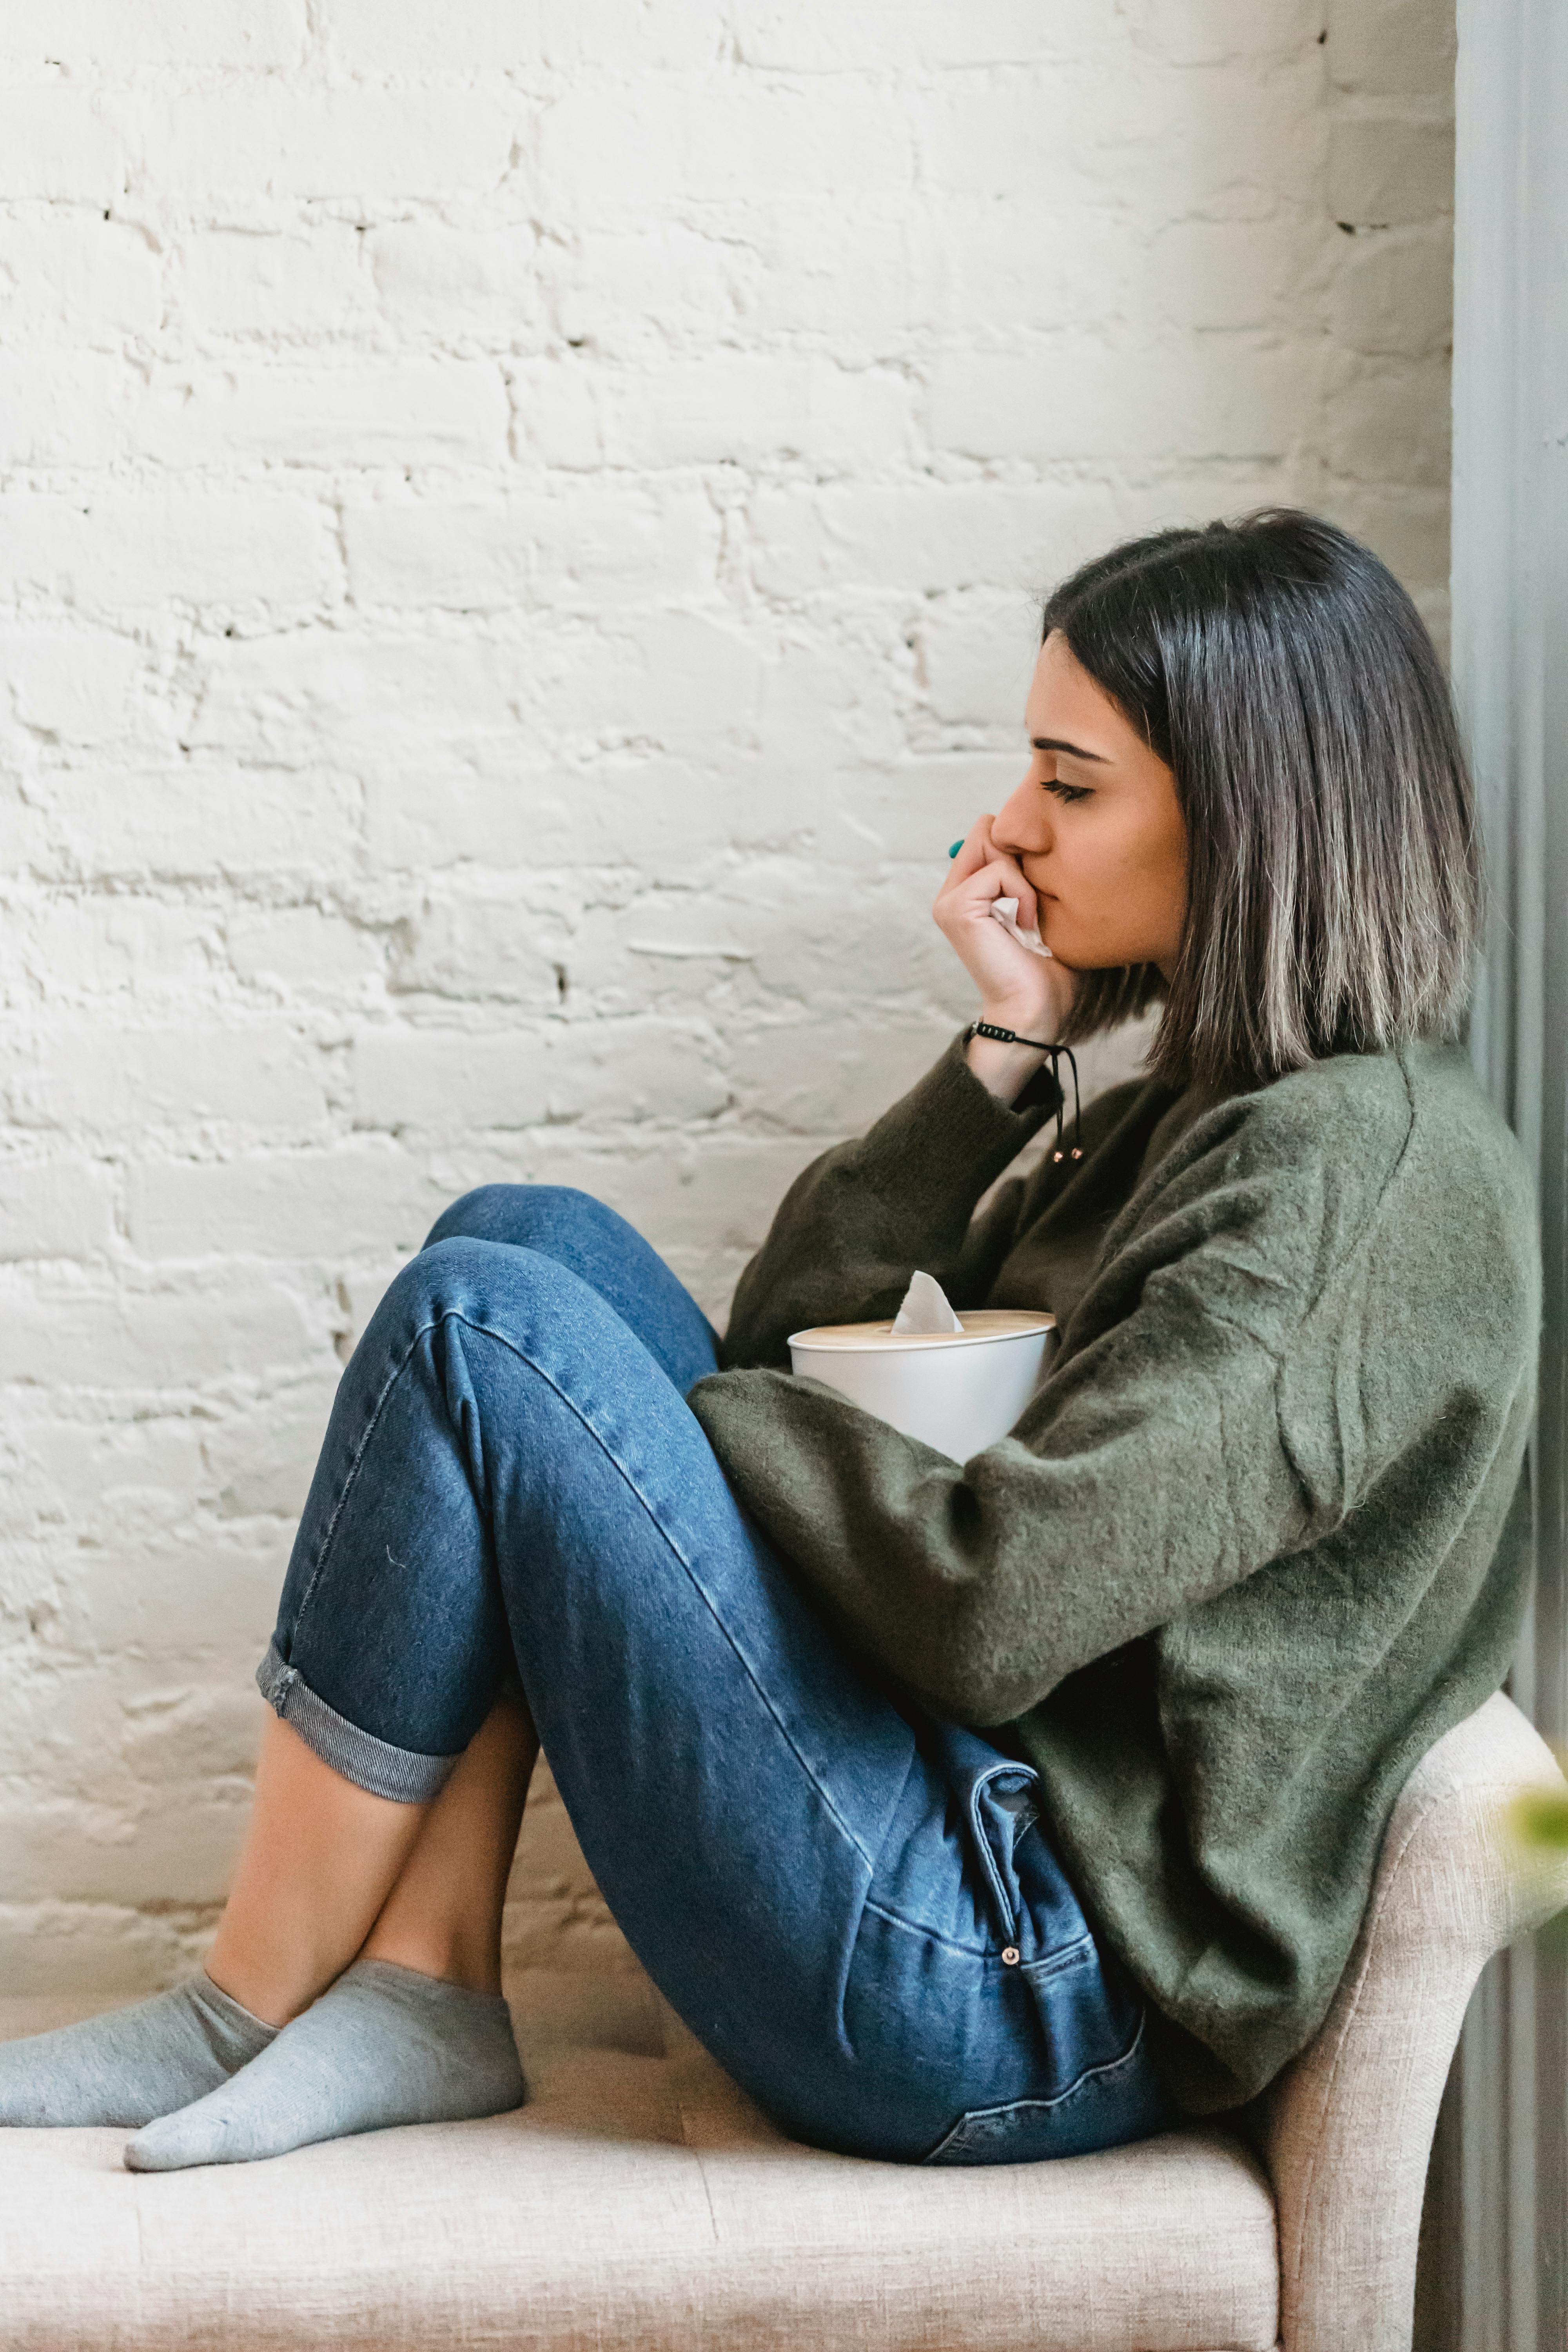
{"x":1542,"y":1820}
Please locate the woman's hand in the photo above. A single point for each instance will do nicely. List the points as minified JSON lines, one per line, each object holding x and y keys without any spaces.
{"x":1017,"y":991}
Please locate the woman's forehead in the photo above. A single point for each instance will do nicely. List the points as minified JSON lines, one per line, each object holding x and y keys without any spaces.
{"x":1067,"y":705}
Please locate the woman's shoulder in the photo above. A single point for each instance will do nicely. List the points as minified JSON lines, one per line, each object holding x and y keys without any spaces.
{"x":1347,"y":1141}
{"x":1390,"y":1173}
{"x":1407,"y":1156}
{"x":1419,"y":1105}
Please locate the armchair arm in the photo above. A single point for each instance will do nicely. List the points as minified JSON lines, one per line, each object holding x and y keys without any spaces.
{"x":1347,"y":2128}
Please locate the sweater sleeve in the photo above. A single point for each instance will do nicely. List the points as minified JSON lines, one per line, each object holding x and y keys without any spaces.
{"x":1149,"y":1475}
{"x":853,"y":1228}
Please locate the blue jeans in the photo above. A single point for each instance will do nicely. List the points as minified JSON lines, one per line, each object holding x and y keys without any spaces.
{"x":855,"y":1906}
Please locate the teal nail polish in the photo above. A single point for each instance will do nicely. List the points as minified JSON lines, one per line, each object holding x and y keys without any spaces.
{"x":954,"y":850}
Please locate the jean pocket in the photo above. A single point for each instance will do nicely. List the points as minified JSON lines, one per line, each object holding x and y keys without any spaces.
{"x":1107,"y":2105}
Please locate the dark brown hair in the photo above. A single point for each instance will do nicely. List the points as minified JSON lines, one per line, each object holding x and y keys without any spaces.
{"x":1334,"y":880}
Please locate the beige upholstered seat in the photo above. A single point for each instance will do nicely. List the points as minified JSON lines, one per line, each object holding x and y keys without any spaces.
{"x":640,"y":2204}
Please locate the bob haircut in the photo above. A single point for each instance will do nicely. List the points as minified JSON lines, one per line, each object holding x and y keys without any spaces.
{"x":1333,"y":864}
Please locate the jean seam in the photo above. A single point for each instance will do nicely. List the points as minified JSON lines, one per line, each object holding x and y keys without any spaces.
{"x":961,"y":2131}
{"x":977,"y":1789}
{"x":354,"y":1469}
{"x":933,"y":1934}
{"x":1092,"y":2074}
{"x":1054,"y":1963}
{"x":1065,"y":1955}
{"x":484,"y":1331}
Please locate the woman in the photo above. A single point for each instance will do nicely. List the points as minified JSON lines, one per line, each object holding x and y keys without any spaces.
{"x":968,"y":1812}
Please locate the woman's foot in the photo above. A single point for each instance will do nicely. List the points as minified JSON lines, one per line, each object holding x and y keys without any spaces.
{"x":132,"y":2065}
{"x":383,"y":2045}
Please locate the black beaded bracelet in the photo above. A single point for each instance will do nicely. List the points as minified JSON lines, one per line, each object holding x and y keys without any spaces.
{"x":1006,"y":1037}
{"x":1057,"y":1053}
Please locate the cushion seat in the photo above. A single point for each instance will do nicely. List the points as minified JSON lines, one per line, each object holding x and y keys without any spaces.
{"x":638,"y":2202}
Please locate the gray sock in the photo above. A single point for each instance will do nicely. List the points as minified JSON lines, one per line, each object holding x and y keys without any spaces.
{"x":131,"y":2065}
{"x":383,"y":2045}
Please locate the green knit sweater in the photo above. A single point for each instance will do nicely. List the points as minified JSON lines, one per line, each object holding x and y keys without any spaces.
{"x":1258,"y":1541}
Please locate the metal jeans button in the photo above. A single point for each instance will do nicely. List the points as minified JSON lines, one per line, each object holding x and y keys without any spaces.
{"x":1010,"y":1957}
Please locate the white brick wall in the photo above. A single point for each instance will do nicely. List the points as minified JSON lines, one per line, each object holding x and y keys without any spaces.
{"x":517,"y":531}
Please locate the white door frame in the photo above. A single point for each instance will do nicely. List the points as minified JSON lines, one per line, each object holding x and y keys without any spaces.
{"x":1501,"y":2247}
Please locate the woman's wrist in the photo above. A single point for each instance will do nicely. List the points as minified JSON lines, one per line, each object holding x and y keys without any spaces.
{"x":1004,"y":1069}
{"x":1031,"y":1011}
{"x":1033,"y":1025}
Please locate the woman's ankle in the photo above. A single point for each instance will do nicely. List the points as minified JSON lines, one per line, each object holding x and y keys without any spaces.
{"x":448,"y":1954}
{"x":272,"y":2000}
{"x":275,"y":1985}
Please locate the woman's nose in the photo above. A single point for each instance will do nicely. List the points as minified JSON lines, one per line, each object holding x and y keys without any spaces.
{"x":1024,"y":823}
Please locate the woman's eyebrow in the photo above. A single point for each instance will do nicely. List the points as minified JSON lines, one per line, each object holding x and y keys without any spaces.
{"x":1060,"y":744}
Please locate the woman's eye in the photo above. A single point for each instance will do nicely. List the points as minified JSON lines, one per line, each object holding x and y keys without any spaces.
{"x":1069,"y":793}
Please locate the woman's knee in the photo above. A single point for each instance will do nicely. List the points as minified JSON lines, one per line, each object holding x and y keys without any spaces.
{"x":528,"y":1216}
{"x":460,"y":1280}
{"x":443,"y":1278}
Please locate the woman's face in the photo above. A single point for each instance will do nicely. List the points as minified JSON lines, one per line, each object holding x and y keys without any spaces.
{"x":1095,"y":825}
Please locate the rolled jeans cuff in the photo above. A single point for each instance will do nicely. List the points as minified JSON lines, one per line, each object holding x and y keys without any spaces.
{"x":403,"y":1774}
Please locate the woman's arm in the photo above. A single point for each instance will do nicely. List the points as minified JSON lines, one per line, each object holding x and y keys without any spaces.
{"x":1149,"y":1475}
{"x":1144,"y":1492}
{"x":853,"y":1228}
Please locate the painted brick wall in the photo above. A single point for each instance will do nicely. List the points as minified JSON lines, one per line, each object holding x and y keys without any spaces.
{"x":519,"y":524}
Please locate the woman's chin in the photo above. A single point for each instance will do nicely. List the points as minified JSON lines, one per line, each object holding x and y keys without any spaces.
{"x":1079,"y":955}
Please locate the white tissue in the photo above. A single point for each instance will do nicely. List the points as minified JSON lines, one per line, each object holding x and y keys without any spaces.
{"x":1006,"y":912}
{"x":925,"y":1308}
